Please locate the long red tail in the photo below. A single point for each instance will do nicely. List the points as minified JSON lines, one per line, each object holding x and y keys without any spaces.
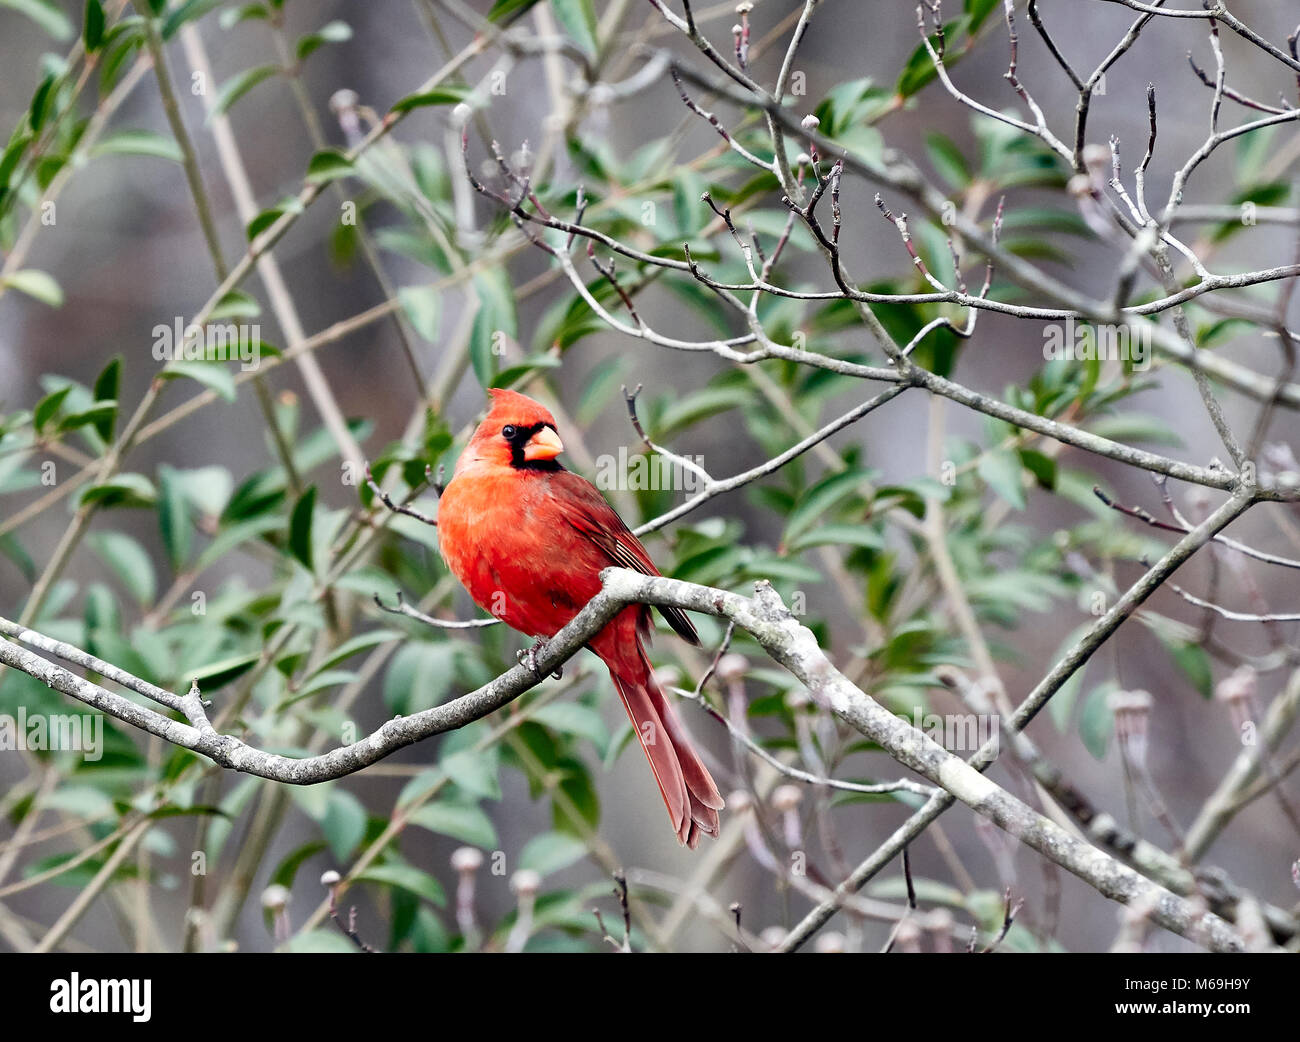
{"x":689,"y":793}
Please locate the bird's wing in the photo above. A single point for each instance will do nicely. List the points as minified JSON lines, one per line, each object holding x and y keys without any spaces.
{"x":588,"y":513}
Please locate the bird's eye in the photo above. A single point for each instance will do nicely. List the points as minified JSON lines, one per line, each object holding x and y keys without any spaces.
{"x":508,"y":431}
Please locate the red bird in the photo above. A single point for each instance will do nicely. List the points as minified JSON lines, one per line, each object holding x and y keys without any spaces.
{"x":528,"y":540}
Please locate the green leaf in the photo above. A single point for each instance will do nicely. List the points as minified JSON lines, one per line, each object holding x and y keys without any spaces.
{"x":577,"y":785}
{"x":686,"y":410}
{"x":123,"y":490}
{"x":287,"y":871}
{"x":851,"y":104}
{"x":198,"y":810}
{"x":235,"y":304}
{"x":218,"y":674}
{"x":407,"y":878}
{"x":174,"y":517}
{"x":82,"y":800}
{"x":466,"y":823}
{"x":129,"y":562}
{"x":504,"y":9}
{"x":1001,"y":470}
{"x":93,"y":33}
{"x":1135,"y":426}
{"x":213,"y":375}
{"x":323,"y":682}
{"x":121,"y":43}
{"x":579,"y":20}
{"x":236,"y":535}
{"x":312,"y":800}
{"x":44,"y":13}
{"x":601,"y":384}
{"x":48,"y":406}
{"x":107,"y":387}
{"x":509,"y":377}
{"x":344,"y":823}
{"x":691,"y":212}
{"x":422,"y":306}
{"x":356,"y":644}
{"x":189,"y":11}
{"x":1041,"y":466}
{"x":441,"y":96}
{"x":239,"y":85}
{"x":919,"y":69}
{"x":1190,"y":656}
{"x":475,"y":772}
{"x":420,"y":787}
{"x":419,"y":676}
{"x":1064,"y":221}
{"x":12,"y":153}
{"x":91,"y":417}
{"x":270,"y":216}
{"x":39,"y":108}
{"x":1062,"y":704}
{"x":36,"y":284}
{"x":948,"y":160}
{"x":821,"y":497}
{"x":575,"y":719}
{"x":551,"y":852}
{"x":319,"y":941}
{"x":978,"y":10}
{"x":232,"y":16}
{"x":328,"y":165}
{"x":494,"y":320}
{"x":1222,"y":331}
{"x":839,"y":535}
{"x":930,"y":891}
{"x":332,"y":32}
{"x":300,"y":523}
{"x":1096,"y":721}
{"x":137,"y":143}
{"x":1273,"y":193}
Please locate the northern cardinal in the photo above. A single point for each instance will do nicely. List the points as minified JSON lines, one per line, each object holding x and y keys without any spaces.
{"x":528,"y":540}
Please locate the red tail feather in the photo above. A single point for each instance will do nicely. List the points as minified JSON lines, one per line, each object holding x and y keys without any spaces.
{"x":688,"y":790}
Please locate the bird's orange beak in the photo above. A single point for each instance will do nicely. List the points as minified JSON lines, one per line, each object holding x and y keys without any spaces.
{"x":543,"y":445}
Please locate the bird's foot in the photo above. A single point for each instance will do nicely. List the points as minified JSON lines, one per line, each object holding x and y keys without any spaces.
{"x":529,"y":658}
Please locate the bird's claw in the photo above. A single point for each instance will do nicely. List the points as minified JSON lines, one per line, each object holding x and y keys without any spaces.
{"x":529,"y":658}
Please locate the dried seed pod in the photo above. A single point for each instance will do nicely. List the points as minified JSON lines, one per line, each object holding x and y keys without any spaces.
{"x":831,"y":943}
{"x":1132,"y":712}
{"x":785,"y":798}
{"x":1237,"y":691}
{"x":732,"y":667}
{"x":526,"y":882}
{"x":467,"y":859}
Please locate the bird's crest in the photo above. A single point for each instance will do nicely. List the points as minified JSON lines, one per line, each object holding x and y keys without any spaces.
{"x":516,"y":408}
